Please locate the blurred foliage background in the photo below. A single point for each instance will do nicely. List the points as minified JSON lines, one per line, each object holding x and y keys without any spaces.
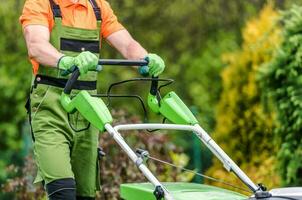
{"x":244,"y":129}
{"x":236,"y":65}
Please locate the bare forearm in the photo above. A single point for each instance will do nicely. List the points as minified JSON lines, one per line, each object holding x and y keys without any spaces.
{"x":126,"y":45}
{"x":39,"y":48}
{"x":44,"y":53}
{"x":134,"y":51}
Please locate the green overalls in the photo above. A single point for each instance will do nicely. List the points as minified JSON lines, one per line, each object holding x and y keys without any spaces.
{"x":60,"y":151}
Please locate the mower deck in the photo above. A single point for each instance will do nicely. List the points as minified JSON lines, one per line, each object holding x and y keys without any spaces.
{"x":180,"y":191}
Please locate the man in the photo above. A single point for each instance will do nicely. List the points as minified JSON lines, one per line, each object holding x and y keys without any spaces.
{"x":61,"y":34}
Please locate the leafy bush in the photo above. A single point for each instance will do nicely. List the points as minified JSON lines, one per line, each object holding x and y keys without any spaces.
{"x":20,"y":184}
{"x":244,"y":129}
{"x":14,"y":86}
{"x":282,"y":81}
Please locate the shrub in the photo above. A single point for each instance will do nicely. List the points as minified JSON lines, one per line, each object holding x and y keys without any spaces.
{"x":282,"y":81}
{"x":244,"y":129}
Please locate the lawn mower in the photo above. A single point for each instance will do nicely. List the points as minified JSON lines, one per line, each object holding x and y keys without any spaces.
{"x":173,"y":109}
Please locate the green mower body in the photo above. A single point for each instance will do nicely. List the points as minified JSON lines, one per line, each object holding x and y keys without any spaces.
{"x":180,"y":191}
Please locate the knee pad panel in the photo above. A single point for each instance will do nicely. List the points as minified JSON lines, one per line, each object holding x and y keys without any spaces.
{"x":62,"y":189}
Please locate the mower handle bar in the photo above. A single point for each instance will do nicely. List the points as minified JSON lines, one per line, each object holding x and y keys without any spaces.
{"x":116,"y":62}
{"x":121,"y":62}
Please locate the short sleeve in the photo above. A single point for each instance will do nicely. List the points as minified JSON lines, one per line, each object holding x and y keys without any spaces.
{"x":110,"y":23}
{"x":35,"y":12}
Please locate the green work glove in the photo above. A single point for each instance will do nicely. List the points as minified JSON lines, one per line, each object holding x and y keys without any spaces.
{"x":85,"y":61}
{"x":66,"y":64}
{"x":155,"y":67}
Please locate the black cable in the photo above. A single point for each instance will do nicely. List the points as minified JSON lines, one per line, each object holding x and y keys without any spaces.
{"x":170,"y":81}
{"x":109,"y":95}
{"x":165,"y":85}
{"x":139,"y":98}
{"x":154,"y":130}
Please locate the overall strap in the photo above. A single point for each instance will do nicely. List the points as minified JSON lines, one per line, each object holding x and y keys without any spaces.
{"x":55,"y":9}
{"x":96,"y":10}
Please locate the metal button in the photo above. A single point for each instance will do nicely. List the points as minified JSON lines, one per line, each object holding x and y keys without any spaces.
{"x":83,"y":49}
{"x":38,"y":79}
{"x":34,"y":109}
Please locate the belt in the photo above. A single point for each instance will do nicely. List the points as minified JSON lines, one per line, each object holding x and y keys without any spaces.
{"x":61,"y":82}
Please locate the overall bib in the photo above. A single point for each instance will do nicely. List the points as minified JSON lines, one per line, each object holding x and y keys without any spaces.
{"x":60,"y":151}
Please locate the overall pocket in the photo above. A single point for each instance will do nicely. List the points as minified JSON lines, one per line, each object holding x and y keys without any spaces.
{"x":77,"y":122}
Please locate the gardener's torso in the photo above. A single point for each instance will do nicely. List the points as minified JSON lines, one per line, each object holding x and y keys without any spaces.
{"x":74,"y":28}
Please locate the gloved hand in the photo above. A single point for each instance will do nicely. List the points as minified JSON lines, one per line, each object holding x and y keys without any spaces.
{"x":155,"y":67}
{"x":85,"y":61}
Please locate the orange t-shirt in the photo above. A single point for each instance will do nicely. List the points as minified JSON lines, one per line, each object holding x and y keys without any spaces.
{"x":80,"y":15}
